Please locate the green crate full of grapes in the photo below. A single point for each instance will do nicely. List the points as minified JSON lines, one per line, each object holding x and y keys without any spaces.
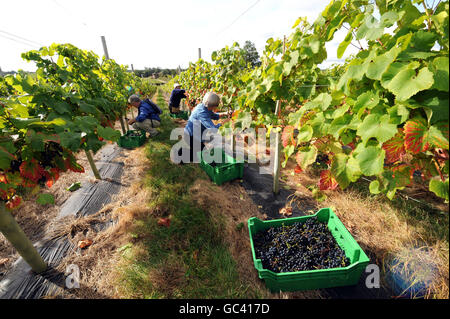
{"x":305,"y":253}
{"x":132,"y":139}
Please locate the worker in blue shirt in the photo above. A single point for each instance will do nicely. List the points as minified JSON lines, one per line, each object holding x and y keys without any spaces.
{"x":201,"y":120}
{"x":175,"y":98}
{"x":148,"y":116}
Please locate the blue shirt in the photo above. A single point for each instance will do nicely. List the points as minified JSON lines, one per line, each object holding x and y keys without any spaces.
{"x":146,"y":111}
{"x":201,"y":115}
{"x":175,"y":97}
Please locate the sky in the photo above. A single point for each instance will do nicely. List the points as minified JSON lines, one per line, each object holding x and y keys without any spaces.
{"x":164,"y":34}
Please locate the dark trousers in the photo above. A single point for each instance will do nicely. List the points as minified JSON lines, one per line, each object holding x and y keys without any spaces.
{"x":175,"y":107}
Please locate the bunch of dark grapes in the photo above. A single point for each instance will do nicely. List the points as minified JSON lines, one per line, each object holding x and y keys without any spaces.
{"x":322,"y":158}
{"x":321,"y":161}
{"x":15,"y":165}
{"x":136,"y":134}
{"x":52,"y":150}
{"x":299,"y":247}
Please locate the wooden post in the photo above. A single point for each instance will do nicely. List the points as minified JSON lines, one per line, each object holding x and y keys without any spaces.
{"x":132,"y":68}
{"x":15,"y":235}
{"x":126,"y":122}
{"x":122,"y":124}
{"x":277,"y":164}
{"x":92,"y":163}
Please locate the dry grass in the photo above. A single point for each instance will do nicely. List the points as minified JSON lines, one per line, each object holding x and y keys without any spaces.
{"x":383,"y":233}
{"x":97,"y":263}
{"x":231,"y":207}
{"x":385,"y":230}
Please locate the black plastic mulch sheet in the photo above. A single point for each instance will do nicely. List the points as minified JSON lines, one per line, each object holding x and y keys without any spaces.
{"x":20,"y":282}
{"x":259,"y":187}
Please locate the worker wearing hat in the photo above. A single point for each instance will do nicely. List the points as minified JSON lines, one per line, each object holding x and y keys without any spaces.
{"x":175,"y":98}
{"x":202,"y":117}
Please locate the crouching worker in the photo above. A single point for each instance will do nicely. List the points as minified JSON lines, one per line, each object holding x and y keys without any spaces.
{"x":148,"y":115}
{"x":199,"y":121}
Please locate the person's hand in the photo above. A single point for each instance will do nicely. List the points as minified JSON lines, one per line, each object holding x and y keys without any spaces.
{"x":223,"y":114}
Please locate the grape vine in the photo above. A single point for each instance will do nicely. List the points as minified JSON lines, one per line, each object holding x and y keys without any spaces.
{"x":67,"y":106}
{"x":383,"y":114}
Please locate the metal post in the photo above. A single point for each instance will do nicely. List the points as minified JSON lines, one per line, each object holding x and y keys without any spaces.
{"x":199,"y":53}
{"x":105,"y":49}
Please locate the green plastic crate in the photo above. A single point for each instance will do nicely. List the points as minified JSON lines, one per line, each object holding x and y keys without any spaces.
{"x":313,"y":279}
{"x":130,"y":142}
{"x":180,"y":115}
{"x":228,"y":170}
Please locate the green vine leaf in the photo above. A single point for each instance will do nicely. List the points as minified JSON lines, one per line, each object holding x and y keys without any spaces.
{"x":377,"y":126}
{"x":345,"y":169}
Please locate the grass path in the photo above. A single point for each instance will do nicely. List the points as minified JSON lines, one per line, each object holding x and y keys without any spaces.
{"x":190,"y":258}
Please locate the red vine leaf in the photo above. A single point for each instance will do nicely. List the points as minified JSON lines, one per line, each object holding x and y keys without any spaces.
{"x":415,"y":136}
{"x":31,"y":170}
{"x":327,"y":181}
{"x":287,"y":137}
{"x":72,"y":164}
{"x":52,"y":176}
{"x":395,"y":148}
{"x":3,"y":194}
